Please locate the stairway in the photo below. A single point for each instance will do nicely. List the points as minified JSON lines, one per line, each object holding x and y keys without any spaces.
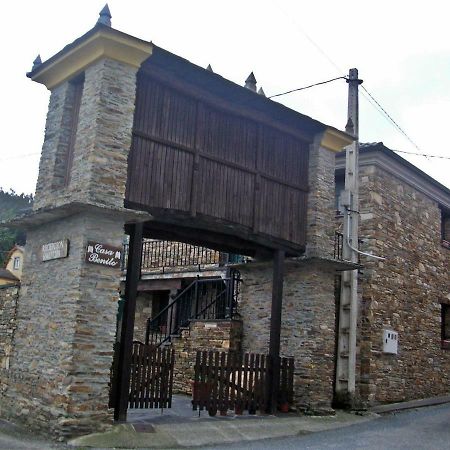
{"x":205,"y":298}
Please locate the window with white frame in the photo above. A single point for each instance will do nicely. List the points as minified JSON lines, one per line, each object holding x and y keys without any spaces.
{"x":16,"y":263}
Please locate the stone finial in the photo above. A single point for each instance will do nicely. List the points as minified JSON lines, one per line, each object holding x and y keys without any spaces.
{"x":105,"y":16}
{"x":349,"y":128}
{"x":261,"y":92}
{"x":250,"y":82}
{"x":209,"y":68}
{"x":36,"y":63}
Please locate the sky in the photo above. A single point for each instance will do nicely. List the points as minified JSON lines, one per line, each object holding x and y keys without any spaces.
{"x":401,"y":49}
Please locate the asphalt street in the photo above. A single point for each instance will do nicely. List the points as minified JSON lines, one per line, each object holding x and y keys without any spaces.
{"x":421,"y":429}
{"x":424,"y":428}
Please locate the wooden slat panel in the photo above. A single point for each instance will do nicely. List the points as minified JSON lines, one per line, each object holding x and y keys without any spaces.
{"x":228,"y":137}
{"x":222,"y":189}
{"x":224,"y":381}
{"x":173,"y":132}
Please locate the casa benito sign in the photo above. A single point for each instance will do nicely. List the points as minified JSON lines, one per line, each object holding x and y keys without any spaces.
{"x":103,"y":254}
{"x":55,"y":250}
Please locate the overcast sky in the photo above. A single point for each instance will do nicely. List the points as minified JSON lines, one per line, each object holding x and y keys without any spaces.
{"x":402,"y":51}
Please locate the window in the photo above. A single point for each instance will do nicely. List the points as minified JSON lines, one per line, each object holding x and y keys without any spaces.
{"x":445,"y":227}
{"x":445,"y":326}
{"x":16,"y":263}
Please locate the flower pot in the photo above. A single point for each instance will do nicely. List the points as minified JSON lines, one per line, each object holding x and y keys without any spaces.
{"x":284,"y":407}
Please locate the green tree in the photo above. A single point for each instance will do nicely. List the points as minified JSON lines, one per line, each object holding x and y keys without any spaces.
{"x":12,"y":205}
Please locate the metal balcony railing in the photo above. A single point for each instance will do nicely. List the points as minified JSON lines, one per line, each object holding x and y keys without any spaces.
{"x":171,"y":256}
{"x":339,"y":244}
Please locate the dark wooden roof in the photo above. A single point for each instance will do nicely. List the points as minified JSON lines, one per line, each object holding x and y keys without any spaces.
{"x":173,"y":68}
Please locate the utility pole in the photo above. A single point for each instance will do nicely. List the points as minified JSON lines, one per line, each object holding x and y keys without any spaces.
{"x":348,"y":308}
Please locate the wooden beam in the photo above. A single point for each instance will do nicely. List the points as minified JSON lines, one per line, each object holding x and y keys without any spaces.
{"x":214,"y":241}
{"x":212,"y":233}
{"x":275,"y":329}
{"x":126,"y":335}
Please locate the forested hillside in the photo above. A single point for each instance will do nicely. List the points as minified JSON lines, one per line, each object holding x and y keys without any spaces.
{"x":11,"y":205}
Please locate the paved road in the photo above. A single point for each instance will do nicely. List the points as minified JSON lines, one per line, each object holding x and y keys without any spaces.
{"x":14,"y":438}
{"x":420,"y":429}
{"x":424,"y":429}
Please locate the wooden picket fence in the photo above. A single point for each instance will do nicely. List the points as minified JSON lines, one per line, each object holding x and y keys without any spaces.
{"x":151,"y":377}
{"x":224,"y":381}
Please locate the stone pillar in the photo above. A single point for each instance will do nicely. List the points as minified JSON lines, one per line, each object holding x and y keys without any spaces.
{"x":66,"y":318}
{"x":59,"y":371}
{"x":307,"y":326}
{"x":106,"y":109}
{"x":56,"y":143}
{"x":320,"y":226}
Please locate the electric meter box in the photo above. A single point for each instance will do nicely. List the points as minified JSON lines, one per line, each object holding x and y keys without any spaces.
{"x":390,"y":342}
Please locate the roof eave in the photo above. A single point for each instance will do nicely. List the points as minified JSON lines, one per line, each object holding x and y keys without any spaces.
{"x":100,"y":42}
{"x":335,"y":140}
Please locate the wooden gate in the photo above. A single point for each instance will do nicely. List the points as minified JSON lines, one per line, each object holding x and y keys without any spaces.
{"x":226,"y":381}
{"x":151,"y":376}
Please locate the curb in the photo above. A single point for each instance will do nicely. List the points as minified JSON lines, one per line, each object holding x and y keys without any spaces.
{"x":391,"y":407}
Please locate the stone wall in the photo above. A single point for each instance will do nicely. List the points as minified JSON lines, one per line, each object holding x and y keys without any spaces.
{"x":308,"y":321}
{"x":56,"y":140}
{"x":143,"y":312}
{"x":219,"y":335}
{"x":8,"y":310}
{"x":402,"y":293}
{"x":320,"y":213}
{"x":66,"y":322}
{"x":103,"y":137}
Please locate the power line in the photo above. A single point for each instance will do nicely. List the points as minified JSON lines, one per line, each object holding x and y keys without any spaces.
{"x":307,"y":87}
{"x":396,"y":125}
{"x":369,"y":97}
{"x":426,"y":155}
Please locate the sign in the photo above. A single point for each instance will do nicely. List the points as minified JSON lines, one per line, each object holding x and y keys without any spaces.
{"x":55,"y":250}
{"x":103,"y":254}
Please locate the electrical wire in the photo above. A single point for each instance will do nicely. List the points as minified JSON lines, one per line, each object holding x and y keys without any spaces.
{"x":307,"y":87}
{"x":422,"y":154}
{"x":367,"y":95}
{"x":396,"y":125}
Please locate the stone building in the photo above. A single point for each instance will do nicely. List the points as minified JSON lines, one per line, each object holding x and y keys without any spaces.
{"x":404,"y":217}
{"x":12,"y":272}
{"x":141,"y":141}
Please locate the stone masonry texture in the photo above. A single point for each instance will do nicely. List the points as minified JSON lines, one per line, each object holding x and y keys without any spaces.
{"x":103,"y":138}
{"x":214,"y":335}
{"x":59,"y":371}
{"x":59,"y":367}
{"x":308,"y":320}
{"x":320,"y":211}
{"x":8,"y":311}
{"x":403,"y":293}
{"x":308,"y":314}
{"x":56,"y":139}
{"x":143,"y":312}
